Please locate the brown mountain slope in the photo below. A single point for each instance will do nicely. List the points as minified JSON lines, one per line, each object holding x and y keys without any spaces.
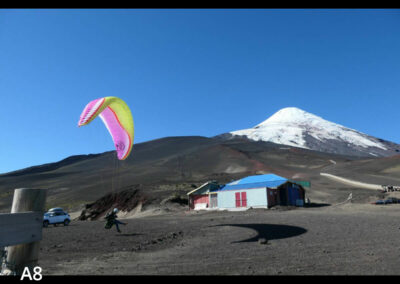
{"x":161,"y":167}
{"x":380,"y":171}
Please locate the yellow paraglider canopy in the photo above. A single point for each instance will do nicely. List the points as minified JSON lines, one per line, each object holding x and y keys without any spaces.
{"x":117,"y":117}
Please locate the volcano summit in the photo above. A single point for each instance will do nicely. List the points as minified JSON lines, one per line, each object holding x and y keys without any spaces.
{"x":297,"y":128}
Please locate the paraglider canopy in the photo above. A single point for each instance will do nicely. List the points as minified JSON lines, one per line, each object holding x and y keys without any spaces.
{"x":117,"y":117}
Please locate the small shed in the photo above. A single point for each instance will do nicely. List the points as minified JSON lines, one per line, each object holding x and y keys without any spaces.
{"x":204,"y":196}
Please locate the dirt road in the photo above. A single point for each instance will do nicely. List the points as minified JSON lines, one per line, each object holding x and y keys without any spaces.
{"x":352,"y":182}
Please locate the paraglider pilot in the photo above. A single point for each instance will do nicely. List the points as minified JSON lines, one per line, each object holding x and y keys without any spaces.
{"x":111,"y":218}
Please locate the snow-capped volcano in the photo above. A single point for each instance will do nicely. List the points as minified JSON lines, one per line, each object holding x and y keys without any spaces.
{"x":294,"y":127}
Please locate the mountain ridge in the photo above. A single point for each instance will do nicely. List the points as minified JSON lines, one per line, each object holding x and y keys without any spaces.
{"x":294,"y":127}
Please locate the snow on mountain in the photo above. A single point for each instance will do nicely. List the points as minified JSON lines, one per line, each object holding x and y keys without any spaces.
{"x":294,"y":127}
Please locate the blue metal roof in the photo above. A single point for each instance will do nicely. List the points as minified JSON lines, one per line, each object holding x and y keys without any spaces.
{"x":268,"y":180}
{"x":271,"y":184}
{"x":258,"y":179}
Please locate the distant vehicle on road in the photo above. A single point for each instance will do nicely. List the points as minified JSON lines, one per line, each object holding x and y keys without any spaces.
{"x":390,"y":200}
{"x":393,"y":200}
{"x":56,"y":216}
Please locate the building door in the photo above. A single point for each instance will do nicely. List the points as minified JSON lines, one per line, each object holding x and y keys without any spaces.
{"x":283,"y":196}
{"x":237,"y":199}
{"x":241,"y":199}
{"x":213,"y":201}
{"x":271,"y":197}
{"x":244,"y":199}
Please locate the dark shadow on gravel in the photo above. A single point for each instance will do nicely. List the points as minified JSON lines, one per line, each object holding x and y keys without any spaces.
{"x":316,"y":205}
{"x":129,"y":235}
{"x":268,"y":231}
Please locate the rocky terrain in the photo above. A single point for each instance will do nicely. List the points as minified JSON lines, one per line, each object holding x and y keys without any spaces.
{"x":347,"y":239}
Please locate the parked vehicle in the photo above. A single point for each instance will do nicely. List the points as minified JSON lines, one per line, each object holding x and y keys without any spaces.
{"x":393,"y":200}
{"x":390,"y":200}
{"x":56,"y":216}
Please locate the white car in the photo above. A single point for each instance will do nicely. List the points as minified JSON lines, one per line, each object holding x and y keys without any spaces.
{"x":56,"y":216}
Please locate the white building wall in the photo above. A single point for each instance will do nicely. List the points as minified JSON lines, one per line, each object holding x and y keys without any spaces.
{"x":256,"y":197}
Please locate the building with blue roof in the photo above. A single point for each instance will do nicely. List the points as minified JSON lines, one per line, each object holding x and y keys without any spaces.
{"x":259,"y":191}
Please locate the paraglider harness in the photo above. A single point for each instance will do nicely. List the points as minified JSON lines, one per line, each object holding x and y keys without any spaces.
{"x":110,"y":217}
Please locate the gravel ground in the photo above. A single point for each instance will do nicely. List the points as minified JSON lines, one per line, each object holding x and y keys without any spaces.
{"x":350,"y":239}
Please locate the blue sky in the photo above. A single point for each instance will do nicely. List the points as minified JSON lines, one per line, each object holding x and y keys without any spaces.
{"x":190,"y":72}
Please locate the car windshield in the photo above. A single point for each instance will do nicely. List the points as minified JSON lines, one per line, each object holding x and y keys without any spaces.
{"x":55,"y":209}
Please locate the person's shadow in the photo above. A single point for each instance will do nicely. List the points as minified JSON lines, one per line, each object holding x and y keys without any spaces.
{"x":128,"y":235}
{"x":268,"y":231}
